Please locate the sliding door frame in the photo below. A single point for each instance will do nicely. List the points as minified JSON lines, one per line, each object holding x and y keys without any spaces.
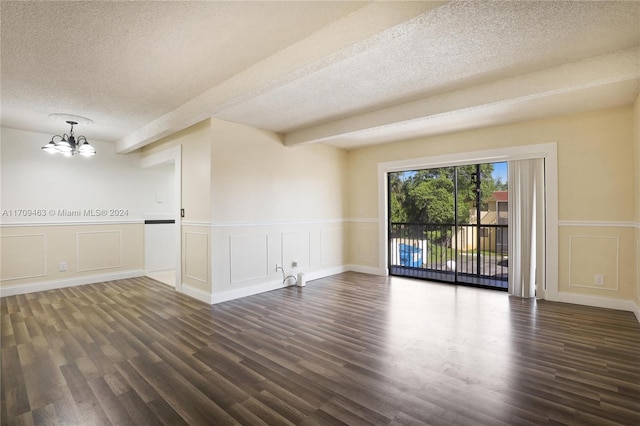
{"x":546,"y":151}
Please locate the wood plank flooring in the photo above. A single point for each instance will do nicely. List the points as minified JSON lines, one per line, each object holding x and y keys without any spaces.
{"x":349,"y":349}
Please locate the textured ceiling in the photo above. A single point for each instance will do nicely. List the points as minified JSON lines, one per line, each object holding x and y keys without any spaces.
{"x":343,"y":73}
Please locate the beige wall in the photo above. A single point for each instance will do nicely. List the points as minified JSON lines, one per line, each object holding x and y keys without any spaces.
{"x":636,"y":155}
{"x":636,"y":142}
{"x":257,"y":179}
{"x":595,"y":185}
{"x":271,"y":205}
{"x":196,"y":168}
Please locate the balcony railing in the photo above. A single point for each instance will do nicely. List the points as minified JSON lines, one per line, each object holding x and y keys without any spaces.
{"x":457,"y":250}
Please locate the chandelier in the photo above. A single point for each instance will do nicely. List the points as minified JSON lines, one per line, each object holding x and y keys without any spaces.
{"x":69,"y":145}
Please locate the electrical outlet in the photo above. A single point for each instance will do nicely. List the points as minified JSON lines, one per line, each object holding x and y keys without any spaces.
{"x":598,"y":279}
{"x":62,"y":266}
{"x":294,"y":263}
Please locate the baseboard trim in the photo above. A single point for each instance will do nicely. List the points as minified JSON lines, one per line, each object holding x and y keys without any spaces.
{"x":196,"y":293}
{"x":596,"y":301}
{"x":225,"y":296}
{"x":636,"y":311}
{"x":371,"y":270}
{"x":72,"y":282}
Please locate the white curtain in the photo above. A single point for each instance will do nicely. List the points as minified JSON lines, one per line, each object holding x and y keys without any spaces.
{"x":526,"y":227}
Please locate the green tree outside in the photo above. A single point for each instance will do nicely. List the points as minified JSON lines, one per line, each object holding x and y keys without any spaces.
{"x":427,"y":196}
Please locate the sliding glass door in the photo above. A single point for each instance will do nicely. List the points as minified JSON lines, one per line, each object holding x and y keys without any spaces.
{"x":450,"y":224}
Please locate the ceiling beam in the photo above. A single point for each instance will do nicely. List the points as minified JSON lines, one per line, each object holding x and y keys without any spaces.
{"x":415,"y":118}
{"x":305,"y":57}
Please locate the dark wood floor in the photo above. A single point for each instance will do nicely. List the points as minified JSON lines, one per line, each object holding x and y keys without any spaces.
{"x":349,"y":349}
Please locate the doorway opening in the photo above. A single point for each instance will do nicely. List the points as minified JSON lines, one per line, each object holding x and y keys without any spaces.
{"x":450,"y":224}
{"x":163,"y":230}
{"x":160,"y":236}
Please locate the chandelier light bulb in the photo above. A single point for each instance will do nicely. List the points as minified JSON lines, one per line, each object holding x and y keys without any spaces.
{"x":50,"y":148}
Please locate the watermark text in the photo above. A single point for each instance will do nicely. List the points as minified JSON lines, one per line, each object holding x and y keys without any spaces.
{"x":65,"y":212}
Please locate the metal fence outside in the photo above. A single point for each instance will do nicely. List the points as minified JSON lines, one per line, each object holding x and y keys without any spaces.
{"x":469,"y":250}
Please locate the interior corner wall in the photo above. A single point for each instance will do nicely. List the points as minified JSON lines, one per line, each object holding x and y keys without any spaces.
{"x":70,"y":221}
{"x":597,"y":197}
{"x":272,"y":204}
{"x":195,"y":143}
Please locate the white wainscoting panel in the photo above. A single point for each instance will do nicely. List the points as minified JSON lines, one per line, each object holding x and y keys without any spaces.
{"x":196,"y":256}
{"x":248,"y":257}
{"x":98,"y":250}
{"x":23,"y":256}
{"x":331,"y":246}
{"x":367,"y":241}
{"x":591,"y":255}
{"x":296,"y":246}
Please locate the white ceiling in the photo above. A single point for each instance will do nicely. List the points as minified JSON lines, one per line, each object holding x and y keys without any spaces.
{"x":347,"y":74}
